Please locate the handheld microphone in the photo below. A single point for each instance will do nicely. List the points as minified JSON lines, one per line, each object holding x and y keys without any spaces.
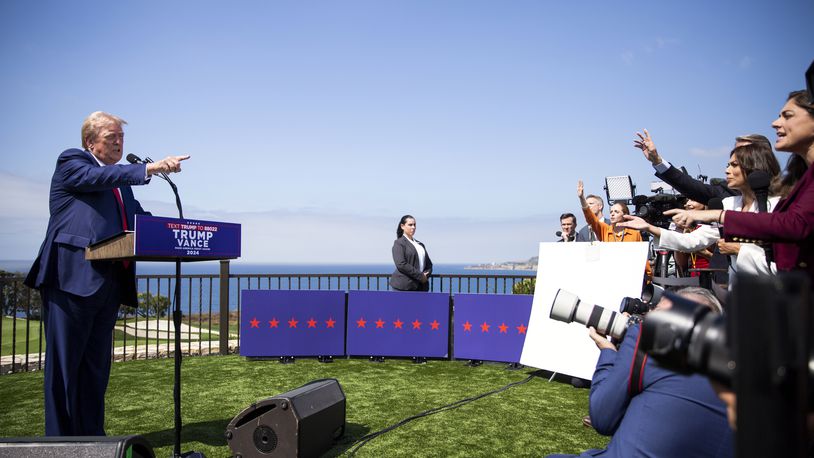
{"x":570,"y":237}
{"x":759,"y":182}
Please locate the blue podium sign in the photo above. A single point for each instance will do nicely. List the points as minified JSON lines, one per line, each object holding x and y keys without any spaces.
{"x":292,"y":323}
{"x":172,"y":237}
{"x":387,"y":323}
{"x":491,"y":327}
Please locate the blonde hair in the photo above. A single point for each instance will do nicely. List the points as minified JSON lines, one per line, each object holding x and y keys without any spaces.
{"x":95,"y":122}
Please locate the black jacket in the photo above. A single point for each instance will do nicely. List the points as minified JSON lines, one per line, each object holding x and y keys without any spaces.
{"x":407,"y":276}
{"x":692,"y":188}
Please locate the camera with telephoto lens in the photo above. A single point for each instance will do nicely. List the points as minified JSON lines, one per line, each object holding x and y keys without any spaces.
{"x":567,"y":307}
{"x":652,"y":208}
{"x":688,"y":338}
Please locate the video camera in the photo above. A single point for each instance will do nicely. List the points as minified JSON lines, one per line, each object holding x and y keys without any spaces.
{"x":652,"y":208}
{"x":567,"y":307}
{"x":761,"y":349}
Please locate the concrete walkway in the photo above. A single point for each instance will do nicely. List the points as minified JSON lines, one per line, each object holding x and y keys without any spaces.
{"x":130,"y":352}
{"x":161,"y":328}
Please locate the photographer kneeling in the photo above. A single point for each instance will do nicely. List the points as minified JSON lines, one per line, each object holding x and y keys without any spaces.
{"x":649,"y":410}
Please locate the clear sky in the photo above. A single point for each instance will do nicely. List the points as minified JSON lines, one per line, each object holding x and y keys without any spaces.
{"x":317,"y":124}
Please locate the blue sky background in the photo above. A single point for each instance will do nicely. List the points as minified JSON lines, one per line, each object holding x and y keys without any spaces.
{"x":318,"y":124}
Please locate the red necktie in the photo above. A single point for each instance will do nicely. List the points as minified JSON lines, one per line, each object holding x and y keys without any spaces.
{"x":123,"y":216}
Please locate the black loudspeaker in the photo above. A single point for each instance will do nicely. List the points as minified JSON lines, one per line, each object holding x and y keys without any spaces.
{"x":76,"y":446}
{"x":303,"y":422}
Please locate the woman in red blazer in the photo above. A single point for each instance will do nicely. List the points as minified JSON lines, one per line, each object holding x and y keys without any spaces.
{"x":790,"y":226}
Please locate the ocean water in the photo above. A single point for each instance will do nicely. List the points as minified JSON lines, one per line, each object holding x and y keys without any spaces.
{"x":202,"y":294}
{"x":237,"y":267}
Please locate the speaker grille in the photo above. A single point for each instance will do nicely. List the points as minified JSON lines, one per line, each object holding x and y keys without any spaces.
{"x":265,"y":439}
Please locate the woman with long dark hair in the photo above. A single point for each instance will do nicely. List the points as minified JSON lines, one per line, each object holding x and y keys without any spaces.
{"x":790,"y":225}
{"x":744,"y":257}
{"x":413,"y":264}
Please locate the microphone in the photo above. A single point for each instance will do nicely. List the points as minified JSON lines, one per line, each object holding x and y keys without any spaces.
{"x":133,"y":159}
{"x":570,"y":237}
{"x":759,"y":182}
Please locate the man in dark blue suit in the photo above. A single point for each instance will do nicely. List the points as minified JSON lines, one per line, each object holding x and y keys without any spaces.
{"x":90,"y":200}
{"x":652,"y":411}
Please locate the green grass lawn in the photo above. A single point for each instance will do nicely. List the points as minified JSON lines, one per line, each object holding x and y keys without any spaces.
{"x":20,"y":338}
{"x":533,"y":419}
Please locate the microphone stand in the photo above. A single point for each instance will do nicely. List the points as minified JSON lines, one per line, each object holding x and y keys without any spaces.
{"x":176,"y":320}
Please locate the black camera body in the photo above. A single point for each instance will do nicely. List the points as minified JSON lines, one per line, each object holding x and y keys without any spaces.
{"x":761,"y":349}
{"x":635,"y":307}
{"x":652,"y":208}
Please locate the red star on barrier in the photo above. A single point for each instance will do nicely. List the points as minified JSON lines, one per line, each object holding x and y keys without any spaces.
{"x":521,"y":329}
{"x":330,"y":323}
{"x":255,"y":323}
{"x":379,"y":323}
{"x":416,"y":324}
{"x":503,"y":328}
{"x":292,"y":323}
{"x":484,"y":327}
{"x":273,"y":323}
{"x":360,"y":323}
{"x":312,"y":323}
{"x":434,"y":325}
{"x":398,"y":323}
{"x":467,"y":326}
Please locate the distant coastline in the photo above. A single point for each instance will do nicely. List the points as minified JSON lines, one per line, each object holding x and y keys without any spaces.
{"x":529,"y":265}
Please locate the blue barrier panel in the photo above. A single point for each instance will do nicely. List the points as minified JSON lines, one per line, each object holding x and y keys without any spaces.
{"x":387,"y":323}
{"x":491,"y":327}
{"x":292,"y":323}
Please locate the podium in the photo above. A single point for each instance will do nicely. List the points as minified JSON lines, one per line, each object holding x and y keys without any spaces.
{"x":177,"y":240}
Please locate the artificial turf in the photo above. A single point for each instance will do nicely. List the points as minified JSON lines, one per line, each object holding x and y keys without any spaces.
{"x":531,"y":419}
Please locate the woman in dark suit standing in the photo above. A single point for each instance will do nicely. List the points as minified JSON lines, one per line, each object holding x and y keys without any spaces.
{"x":413,"y":264}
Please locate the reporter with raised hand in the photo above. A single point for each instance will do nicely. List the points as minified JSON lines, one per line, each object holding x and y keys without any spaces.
{"x":744,"y":257}
{"x":685,"y":184}
{"x":790,"y":225}
{"x":612,"y":232}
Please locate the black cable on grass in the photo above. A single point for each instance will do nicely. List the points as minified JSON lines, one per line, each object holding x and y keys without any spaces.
{"x":367,"y":438}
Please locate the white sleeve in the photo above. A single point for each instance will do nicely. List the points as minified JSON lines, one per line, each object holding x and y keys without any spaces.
{"x":751,"y":259}
{"x":688,"y":242}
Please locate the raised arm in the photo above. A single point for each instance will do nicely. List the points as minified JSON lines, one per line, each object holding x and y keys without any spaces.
{"x":597,"y":225}
{"x":645,"y":143}
{"x":694,"y":189}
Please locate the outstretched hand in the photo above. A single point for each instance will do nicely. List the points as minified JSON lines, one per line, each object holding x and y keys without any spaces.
{"x":633,"y":222}
{"x":170,"y":164}
{"x":645,"y":143}
{"x":580,"y":189}
{"x":682,"y":218}
{"x":690,"y":218}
